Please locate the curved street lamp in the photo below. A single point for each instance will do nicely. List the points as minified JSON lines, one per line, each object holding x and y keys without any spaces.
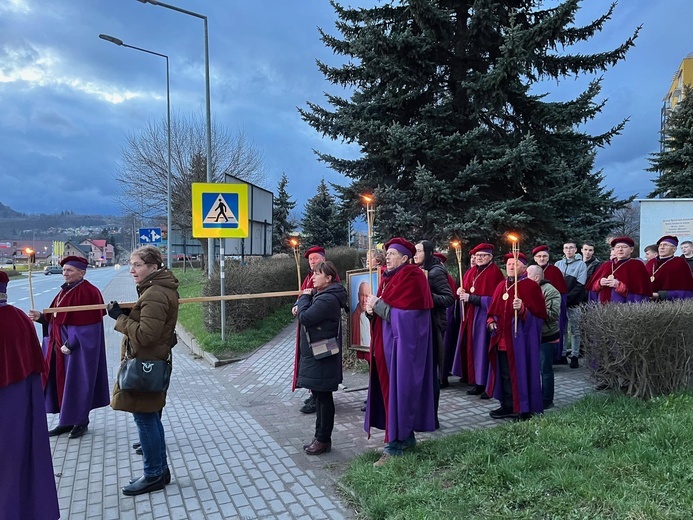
{"x":119,"y":42}
{"x":210,"y":242}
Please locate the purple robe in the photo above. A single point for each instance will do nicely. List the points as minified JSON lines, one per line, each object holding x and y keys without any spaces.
{"x":86,"y":375}
{"x":27,"y":481}
{"x":408,"y":353}
{"x":525,"y":374}
{"x":480,"y":339}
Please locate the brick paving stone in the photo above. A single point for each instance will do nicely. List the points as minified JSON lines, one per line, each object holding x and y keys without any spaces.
{"x":234,"y":437}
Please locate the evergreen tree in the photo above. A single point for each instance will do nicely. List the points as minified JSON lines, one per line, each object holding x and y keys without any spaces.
{"x":282,"y":225}
{"x":675,"y":163}
{"x":454,"y":141}
{"x":323,"y":222}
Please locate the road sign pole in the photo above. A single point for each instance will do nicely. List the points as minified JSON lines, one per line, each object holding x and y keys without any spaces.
{"x":221,"y":290}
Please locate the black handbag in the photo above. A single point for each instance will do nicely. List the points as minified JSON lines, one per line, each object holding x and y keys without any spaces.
{"x":323,"y":348}
{"x":140,"y":375}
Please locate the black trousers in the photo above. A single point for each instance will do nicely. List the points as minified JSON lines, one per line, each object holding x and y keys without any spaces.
{"x":505,"y":379}
{"x":324,"y":420}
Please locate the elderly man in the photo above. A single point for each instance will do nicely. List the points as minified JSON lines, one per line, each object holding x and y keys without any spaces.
{"x":74,"y":347}
{"x":27,"y":483}
{"x":515,"y":319}
{"x":360,"y":324}
{"x":622,"y":279}
{"x":400,"y":390}
{"x":314,"y":255}
{"x":478,"y":284}
{"x":670,"y":275}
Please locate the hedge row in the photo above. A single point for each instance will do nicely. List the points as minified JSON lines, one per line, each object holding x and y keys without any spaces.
{"x":644,"y":350}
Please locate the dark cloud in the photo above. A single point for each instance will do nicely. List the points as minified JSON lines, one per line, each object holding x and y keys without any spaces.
{"x":68,"y":99}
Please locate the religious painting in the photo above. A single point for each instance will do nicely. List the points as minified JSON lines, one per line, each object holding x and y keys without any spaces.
{"x":359,"y":287}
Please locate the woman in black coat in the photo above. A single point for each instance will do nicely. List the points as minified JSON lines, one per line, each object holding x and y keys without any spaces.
{"x":320,"y":316}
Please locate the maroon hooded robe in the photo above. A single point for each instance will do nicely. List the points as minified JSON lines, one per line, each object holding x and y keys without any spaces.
{"x":634,"y":286}
{"x":27,"y":482}
{"x":673,"y":278}
{"x":522,"y":348}
{"x":400,"y":390}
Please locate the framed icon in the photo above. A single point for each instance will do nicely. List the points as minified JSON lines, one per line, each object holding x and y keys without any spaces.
{"x":359,"y":288}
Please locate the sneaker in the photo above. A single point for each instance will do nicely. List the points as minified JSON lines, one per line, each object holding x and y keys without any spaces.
{"x":574,"y":362}
{"x":308,"y":408}
{"x":502,"y":413}
{"x":309,"y":400}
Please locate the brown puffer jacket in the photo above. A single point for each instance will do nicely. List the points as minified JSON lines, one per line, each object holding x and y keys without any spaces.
{"x":149,"y":327}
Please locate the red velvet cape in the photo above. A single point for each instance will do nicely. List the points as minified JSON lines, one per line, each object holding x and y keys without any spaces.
{"x":20,"y":350}
{"x":672,"y":274}
{"x":554,"y":275}
{"x":631,"y":272}
{"x":502,"y":310}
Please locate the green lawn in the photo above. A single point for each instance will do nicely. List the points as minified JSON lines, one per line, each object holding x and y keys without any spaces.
{"x":606,"y":457}
{"x":190,"y":316}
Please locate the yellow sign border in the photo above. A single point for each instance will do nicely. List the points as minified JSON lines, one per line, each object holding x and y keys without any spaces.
{"x":198,"y":229}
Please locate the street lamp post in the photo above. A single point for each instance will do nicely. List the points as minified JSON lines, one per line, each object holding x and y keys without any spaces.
{"x":208,"y":110}
{"x":168,"y":132}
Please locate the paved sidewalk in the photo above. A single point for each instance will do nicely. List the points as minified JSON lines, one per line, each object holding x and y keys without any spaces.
{"x":234,"y":436}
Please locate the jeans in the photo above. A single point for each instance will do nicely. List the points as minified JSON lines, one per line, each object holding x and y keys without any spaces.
{"x":324,"y":420}
{"x":153,"y":443}
{"x":397,"y":448}
{"x":546,"y":351}
{"x":574,"y":331}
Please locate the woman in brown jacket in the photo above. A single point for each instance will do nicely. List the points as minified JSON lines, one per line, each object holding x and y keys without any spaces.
{"x":149,"y":328}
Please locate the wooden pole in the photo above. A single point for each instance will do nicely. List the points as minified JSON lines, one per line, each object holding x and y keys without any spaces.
{"x":369,"y":219}
{"x":516,"y":256}
{"x":197,"y":299}
{"x":458,"y":254}
{"x":294,"y":244}
{"x":31,"y":287}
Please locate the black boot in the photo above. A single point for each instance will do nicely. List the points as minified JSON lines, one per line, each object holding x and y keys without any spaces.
{"x":144,"y":485}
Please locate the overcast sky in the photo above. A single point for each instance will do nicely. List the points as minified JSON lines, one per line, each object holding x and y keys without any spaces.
{"x":68,"y":99}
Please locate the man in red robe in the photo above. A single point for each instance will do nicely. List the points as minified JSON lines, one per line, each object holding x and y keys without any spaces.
{"x":478,"y":285}
{"x":555,"y":277}
{"x":314,"y":255}
{"x":27,"y":483}
{"x":670,"y":275}
{"x":74,"y":347}
{"x":401,"y":386}
{"x":514,"y":352}
{"x":622,"y":279}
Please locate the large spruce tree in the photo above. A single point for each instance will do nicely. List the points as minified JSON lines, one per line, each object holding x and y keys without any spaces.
{"x":675,"y":162}
{"x":282,"y":225}
{"x":456,"y":137}
{"x":323,"y":221}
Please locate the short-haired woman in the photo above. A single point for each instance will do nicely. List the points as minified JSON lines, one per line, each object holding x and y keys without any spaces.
{"x":320,"y":316}
{"x":149,"y":329}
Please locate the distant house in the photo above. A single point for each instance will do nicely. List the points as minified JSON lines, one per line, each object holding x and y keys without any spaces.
{"x":72,"y":249}
{"x":100,"y":253}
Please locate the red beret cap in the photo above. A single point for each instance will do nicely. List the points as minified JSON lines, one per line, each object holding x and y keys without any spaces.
{"x":3,"y":277}
{"x":75,"y":261}
{"x":622,"y":240}
{"x":403,"y":246}
{"x":668,"y":238}
{"x":482,"y":248}
{"x":314,"y":249}
{"x":441,"y":257}
{"x":520,"y":256}
{"x":539,"y":249}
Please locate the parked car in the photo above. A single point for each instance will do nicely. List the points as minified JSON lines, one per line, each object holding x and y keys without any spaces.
{"x":52,"y":269}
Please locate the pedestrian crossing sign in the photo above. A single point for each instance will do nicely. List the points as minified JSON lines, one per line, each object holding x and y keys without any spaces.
{"x":219,"y":210}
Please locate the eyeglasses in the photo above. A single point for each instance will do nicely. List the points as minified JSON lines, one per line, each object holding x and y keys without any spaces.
{"x":570,"y":247}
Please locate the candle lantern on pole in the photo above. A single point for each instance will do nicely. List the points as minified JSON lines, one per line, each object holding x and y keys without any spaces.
{"x":515,"y":240}
{"x":457,"y":246}
{"x":294,"y":245}
{"x":370,"y":218}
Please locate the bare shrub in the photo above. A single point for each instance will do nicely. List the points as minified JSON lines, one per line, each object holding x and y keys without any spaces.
{"x":644,"y":349}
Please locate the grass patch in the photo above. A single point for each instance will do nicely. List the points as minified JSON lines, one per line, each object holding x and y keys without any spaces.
{"x":191,"y":317}
{"x":604,"y":457}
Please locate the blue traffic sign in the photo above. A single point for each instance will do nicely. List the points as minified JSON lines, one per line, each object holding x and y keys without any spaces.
{"x":150,"y":235}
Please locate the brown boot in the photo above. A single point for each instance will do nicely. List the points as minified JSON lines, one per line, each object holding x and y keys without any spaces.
{"x":317,"y":447}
